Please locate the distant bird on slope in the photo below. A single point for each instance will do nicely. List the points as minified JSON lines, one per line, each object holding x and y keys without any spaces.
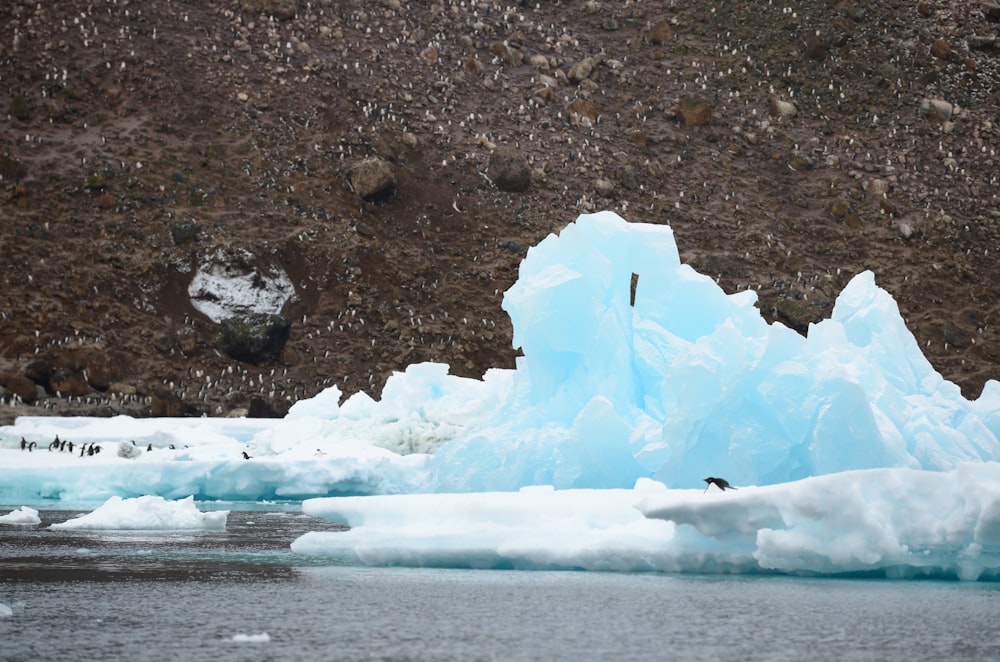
{"x":721,"y":483}
{"x":245,"y":456}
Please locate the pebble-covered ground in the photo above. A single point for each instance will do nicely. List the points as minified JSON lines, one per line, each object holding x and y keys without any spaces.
{"x":790,"y":144}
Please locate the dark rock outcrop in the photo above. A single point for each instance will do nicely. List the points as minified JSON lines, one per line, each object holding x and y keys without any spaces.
{"x":262,"y":408}
{"x":20,"y":386}
{"x":165,"y":403}
{"x":255,"y":338}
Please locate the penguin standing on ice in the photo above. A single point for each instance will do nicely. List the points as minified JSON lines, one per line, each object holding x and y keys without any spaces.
{"x":245,"y":456}
{"x":24,"y":443}
{"x":721,"y":483}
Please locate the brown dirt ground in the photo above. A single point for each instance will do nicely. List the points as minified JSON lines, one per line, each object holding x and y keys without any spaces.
{"x":124,"y":118}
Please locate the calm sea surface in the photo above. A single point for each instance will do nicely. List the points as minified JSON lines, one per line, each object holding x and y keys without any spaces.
{"x":214,"y":596}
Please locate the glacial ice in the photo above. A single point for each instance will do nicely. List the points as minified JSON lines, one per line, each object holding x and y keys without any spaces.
{"x":852,"y":454}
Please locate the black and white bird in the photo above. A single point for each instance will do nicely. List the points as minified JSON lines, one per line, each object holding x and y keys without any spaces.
{"x":721,"y":483}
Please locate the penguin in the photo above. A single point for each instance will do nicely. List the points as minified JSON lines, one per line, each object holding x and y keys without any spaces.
{"x":172,"y":447}
{"x":149,"y":448}
{"x":90,"y":450}
{"x":31,"y":446}
{"x":70,"y":446}
{"x":83,"y":447}
{"x":54,"y":444}
{"x":24,"y":443}
{"x":97,"y":449}
{"x":245,"y":456}
{"x":721,"y":483}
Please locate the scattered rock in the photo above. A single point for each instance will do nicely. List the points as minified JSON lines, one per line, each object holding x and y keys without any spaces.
{"x":661,"y":33}
{"x":581,"y":70}
{"x":936,"y":109}
{"x":905,"y":228}
{"x":954,"y":336}
{"x":256,"y":338}
{"x":817,"y":48}
{"x":693,"y":112}
{"x":976,"y":42}
{"x":19,"y":108}
{"x":781,"y":108}
{"x":941,"y":49}
{"x":876,"y":187}
{"x":582,"y":111}
{"x":511,"y":56}
{"x":604,"y":187}
{"x":509,"y":170}
{"x":183,"y":232}
{"x":372,"y":180}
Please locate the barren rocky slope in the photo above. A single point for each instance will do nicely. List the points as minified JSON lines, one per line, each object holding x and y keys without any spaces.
{"x":789,"y":144}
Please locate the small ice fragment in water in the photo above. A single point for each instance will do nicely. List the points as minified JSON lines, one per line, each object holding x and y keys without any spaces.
{"x":263,"y":637}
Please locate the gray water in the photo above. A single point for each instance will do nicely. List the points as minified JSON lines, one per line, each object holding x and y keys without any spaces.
{"x":190,"y":596}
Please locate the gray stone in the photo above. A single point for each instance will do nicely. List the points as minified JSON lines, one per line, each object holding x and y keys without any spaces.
{"x":938,"y":109}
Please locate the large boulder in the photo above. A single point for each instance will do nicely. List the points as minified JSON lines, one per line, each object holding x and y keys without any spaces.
{"x":20,"y":386}
{"x":509,"y":170}
{"x":255,"y":338}
{"x":373,"y":180}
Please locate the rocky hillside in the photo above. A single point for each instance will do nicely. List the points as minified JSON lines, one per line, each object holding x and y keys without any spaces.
{"x":376,"y":170}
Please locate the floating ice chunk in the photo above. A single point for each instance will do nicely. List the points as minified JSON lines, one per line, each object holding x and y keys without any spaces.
{"x":263,"y":637}
{"x":147,"y":513}
{"x":889,"y":522}
{"x":22,"y":515}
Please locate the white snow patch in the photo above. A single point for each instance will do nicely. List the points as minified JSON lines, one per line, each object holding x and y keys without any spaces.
{"x":224,"y":287}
